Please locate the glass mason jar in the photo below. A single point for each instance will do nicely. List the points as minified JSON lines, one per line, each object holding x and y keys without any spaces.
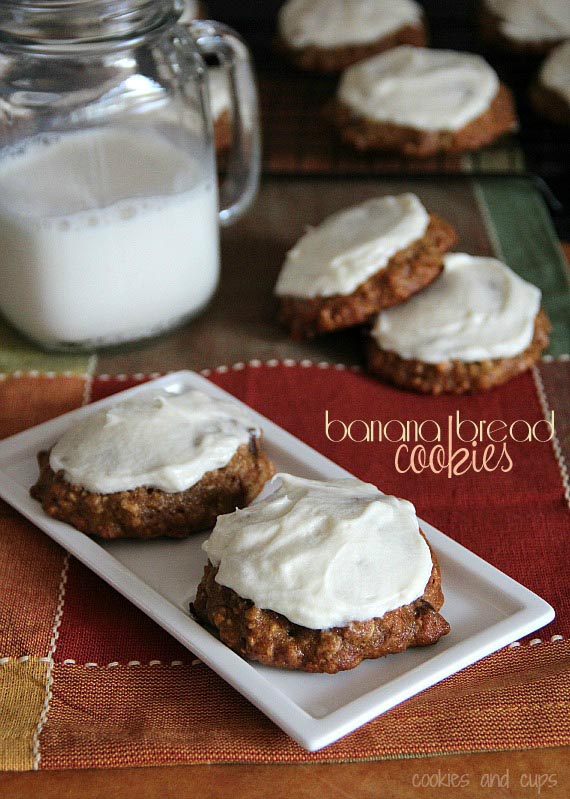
{"x":109,"y":216}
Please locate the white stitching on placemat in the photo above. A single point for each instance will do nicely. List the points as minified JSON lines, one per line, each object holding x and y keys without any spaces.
{"x":221,"y":369}
{"x":535,"y":641}
{"x":558,"y":454}
{"x":50,"y":375}
{"x":563,"y":358}
{"x":91,"y":664}
{"x":36,"y":755}
{"x":554,"y":639}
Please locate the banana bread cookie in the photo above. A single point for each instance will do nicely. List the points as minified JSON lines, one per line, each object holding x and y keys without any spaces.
{"x":477,"y":327}
{"x":420,"y":102}
{"x":320,"y":576}
{"x":166,"y":465}
{"x":359,"y":261}
{"x":329,"y":35}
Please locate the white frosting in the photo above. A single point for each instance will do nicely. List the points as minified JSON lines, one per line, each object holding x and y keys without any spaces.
{"x":167,"y":441}
{"x":420,"y":88}
{"x":477,"y":309}
{"x":532,"y":20}
{"x":335,"y":23}
{"x":555,"y":72}
{"x":323,"y":554}
{"x":348,"y":247}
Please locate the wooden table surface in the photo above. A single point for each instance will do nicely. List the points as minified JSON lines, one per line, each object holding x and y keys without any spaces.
{"x":531,"y":773}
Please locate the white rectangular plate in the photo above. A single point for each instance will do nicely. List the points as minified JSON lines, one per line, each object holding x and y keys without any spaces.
{"x":486,"y":609}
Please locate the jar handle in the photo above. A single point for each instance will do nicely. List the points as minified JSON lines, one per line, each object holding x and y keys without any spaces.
{"x":239,"y":187}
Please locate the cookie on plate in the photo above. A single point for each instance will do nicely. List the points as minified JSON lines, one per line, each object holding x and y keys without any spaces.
{"x":420,"y":102}
{"x":358,"y":261}
{"x":161,"y":465}
{"x":479,"y":325}
{"x":320,"y":576}
{"x":329,"y":35}
{"x":550,"y":94}
{"x":524,"y":26}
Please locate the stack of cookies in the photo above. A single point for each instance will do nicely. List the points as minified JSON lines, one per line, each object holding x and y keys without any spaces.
{"x":435,"y":322}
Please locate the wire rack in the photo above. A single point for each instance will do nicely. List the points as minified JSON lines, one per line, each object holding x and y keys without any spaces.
{"x":300,"y":139}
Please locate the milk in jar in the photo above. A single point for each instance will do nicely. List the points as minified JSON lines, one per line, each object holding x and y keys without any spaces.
{"x":109,"y":234}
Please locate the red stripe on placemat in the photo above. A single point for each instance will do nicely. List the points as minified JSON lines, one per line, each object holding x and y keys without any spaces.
{"x":106,"y":386}
{"x":101,"y":626}
{"x":516,"y":520}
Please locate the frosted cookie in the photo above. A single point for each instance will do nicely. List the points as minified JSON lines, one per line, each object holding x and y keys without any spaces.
{"x":550,"y":94}
{"x":421,"y":102}
{"x":525,"y":25}
{"x":359,"y":261}
{"x":320,"y":576}
{"x":329,"y":35}
{"x":476,"y":327}
{"x":160,"y":465}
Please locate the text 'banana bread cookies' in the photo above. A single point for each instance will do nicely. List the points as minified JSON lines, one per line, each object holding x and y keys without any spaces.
{"x":321,"y":575}
{"x":421,"y":102}
{"x":359,"y":261}
{"x":161,"y":465}
{"x":329,"y":35}
{"x":476,"y":327}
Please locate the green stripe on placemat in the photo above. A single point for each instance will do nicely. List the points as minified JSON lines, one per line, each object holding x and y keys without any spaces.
{"x":19,"y":354}
{"x":523,"y":235}
{"x":499,"y":158}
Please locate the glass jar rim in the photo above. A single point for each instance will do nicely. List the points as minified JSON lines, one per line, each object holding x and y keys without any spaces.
{"x":33,"y":23}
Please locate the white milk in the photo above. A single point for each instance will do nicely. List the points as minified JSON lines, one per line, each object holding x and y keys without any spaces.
{"x":105,"y":235}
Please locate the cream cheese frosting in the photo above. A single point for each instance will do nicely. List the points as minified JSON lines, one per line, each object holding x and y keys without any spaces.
{"x":532,"y":20}
{"x":162,"y":440}
{"x":478,"y":309}
{"x":348,"y":247}
{"x":555,"y":72}
{"x":323,"y":554}
{"x":335,"y":23}
{"x":420,"y":88}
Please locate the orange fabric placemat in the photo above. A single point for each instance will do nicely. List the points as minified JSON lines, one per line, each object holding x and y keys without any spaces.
{"x":86,"y":680}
